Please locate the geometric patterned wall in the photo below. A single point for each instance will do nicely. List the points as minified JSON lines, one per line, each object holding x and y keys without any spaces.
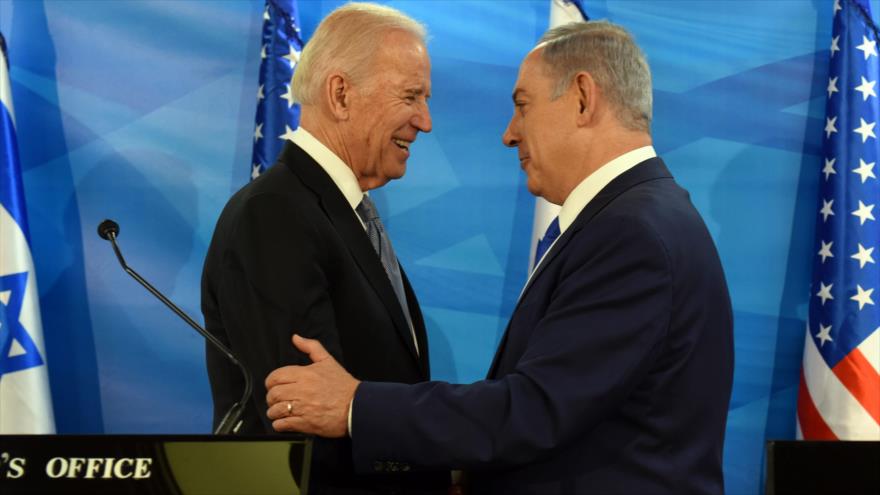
{"x":143,"y":112}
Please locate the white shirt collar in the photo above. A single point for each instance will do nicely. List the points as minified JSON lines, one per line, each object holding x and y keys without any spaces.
{"x":584,"y":192}
{"x":339,"y":172}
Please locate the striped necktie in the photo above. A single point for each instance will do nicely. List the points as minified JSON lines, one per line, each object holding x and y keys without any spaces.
{"x":382,"y":244}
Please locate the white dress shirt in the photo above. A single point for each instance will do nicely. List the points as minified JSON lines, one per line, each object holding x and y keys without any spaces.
{"x":588,"y":188}
{"x":340,"y":173}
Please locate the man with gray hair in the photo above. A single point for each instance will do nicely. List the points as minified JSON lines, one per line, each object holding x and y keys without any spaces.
{"x":615,"y":371}
{"x":303,"y":248}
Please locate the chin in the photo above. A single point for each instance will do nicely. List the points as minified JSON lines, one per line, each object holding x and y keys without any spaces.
{"x":533,"y":188}
{"x":397,"y":172}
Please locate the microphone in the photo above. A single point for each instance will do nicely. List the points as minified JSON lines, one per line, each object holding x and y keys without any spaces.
{"x":231,"y":422}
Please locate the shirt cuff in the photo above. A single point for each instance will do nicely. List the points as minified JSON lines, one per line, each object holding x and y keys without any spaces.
{"x":350,"y":407}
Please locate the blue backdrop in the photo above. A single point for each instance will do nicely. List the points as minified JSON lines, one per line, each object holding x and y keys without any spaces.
{"x":143,"y":112}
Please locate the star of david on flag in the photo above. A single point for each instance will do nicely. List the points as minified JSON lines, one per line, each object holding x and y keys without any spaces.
{"x":25,"y":403}
{"x":839,"y":393}
{"x":277,"y":114}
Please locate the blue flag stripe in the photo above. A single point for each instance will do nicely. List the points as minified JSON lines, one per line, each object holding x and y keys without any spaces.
{"x":11,"y":189}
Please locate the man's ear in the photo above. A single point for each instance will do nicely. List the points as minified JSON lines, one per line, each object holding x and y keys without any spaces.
{"x":587,"y":93}
{"x":339,"y":94}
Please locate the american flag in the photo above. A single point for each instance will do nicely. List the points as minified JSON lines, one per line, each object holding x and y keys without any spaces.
{"x":277,"y":115}
{"x":839,"y":394}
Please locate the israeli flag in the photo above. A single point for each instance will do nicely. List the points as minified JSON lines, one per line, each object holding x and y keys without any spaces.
{"x":25,"y":402}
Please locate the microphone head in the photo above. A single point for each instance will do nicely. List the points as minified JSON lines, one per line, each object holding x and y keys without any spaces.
{"x":108,"y":227}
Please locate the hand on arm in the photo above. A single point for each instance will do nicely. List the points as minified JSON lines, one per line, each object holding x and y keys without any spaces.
{"x":319,"y":394}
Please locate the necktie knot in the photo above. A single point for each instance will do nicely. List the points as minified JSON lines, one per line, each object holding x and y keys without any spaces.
{"x":367,"y":210}
{"x":545,"y":242}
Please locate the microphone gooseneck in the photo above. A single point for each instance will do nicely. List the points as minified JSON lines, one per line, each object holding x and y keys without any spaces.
{"x":231,"y":422}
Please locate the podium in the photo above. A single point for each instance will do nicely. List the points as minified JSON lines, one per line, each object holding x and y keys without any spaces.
{"x":818,"y":467}
{"x":154,"y":464}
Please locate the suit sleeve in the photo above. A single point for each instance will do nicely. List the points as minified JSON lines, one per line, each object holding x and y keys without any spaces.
{"x":274,"y":284}
{"x":603,"y":326}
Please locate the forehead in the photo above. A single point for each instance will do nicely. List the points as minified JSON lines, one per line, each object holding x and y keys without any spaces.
{"x":532,"y":76}
{"x":401,"y":50}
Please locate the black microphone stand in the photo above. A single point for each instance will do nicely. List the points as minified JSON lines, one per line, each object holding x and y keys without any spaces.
{"x":231,"y":422}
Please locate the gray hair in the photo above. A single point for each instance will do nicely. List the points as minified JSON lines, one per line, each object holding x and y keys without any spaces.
{"x":347,"y":40}
{"x":609,"y":53}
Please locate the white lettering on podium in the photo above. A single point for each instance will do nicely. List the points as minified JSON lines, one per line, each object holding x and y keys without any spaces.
{"x":142,"y":469}
{"x":90,"y":467}
{"x":16,"y":468}
{"x":75,"y":464}
{"x":11,"y":467}
{"x":55,"y":472}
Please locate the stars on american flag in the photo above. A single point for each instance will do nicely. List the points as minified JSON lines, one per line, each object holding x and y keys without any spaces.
{"x":288,"y":95}
{"x":288,"y":134}
{"x":829,"y":167}
{"x":830,"y":126}
{"x":292,"y":57}
{"x":277,"y":112}
{"x":826,"y":210}
{"x":863,"y":256}
{"x":866,"y":130}
{"x":863,"y":296}
{"x":845,"y":271}
{"x":824,"y":334}
{"x":825,"y":250}
{"x":825,"y":292}
{"x":865,"y":170}
{"x":832,"y":86}
{"x":864,"y":212}
{"x":868,"y":47}
{"x":866,"y":88}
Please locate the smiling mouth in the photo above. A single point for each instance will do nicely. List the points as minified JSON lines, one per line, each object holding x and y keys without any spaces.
{"x":404,"y":145}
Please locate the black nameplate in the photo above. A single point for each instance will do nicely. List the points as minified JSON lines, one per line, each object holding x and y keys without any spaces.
{"x":153,"y":464}
{"x":822,"y":467}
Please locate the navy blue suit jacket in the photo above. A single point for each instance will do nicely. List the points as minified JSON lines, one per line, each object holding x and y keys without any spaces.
{"x":614,"y":374}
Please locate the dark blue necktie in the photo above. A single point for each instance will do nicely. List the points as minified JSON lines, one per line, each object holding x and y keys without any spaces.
{"x":545,"y":242}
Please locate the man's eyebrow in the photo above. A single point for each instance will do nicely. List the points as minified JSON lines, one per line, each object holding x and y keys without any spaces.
{"x":517,"y":92}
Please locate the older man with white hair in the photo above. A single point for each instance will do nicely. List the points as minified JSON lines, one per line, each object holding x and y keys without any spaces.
{"x":302,"y":248}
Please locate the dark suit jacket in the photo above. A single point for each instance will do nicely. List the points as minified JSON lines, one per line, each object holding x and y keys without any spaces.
{"x":289,"y":255}
{"x":613,"y":376}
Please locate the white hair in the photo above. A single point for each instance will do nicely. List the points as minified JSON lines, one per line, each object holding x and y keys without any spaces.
{"x":346,"y":41}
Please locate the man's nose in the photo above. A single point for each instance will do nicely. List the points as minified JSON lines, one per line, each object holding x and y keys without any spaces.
{"x":510,"y":138}
{"x":422,"y":120}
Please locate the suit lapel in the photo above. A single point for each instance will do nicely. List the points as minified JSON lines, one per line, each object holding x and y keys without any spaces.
{"x":346,"y":223}
{"x":650,"y":169}
{"x":418,"y":323}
